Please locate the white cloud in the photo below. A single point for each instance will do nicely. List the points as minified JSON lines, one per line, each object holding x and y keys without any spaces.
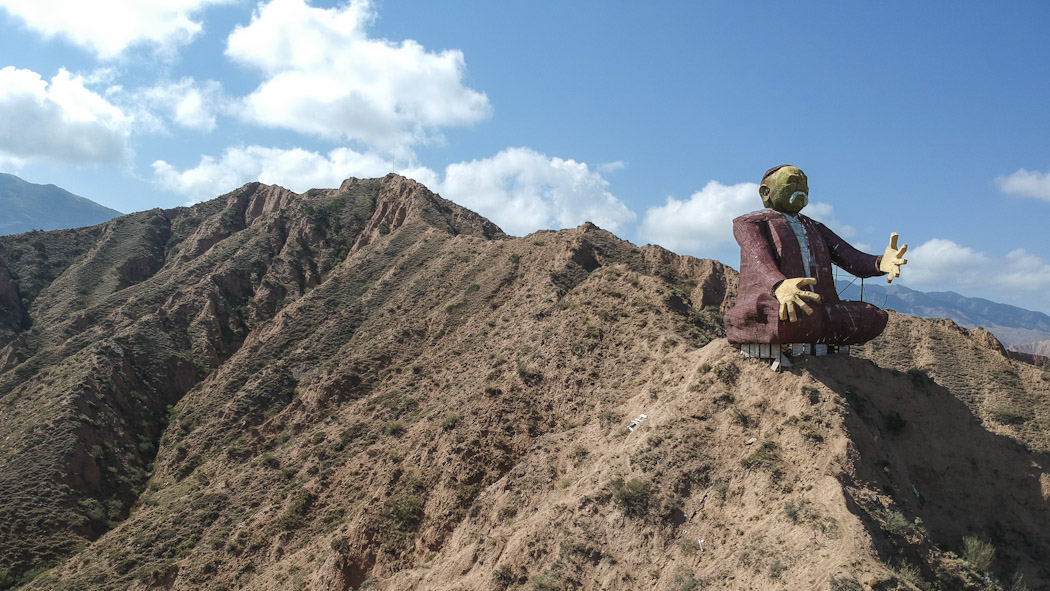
{"x":1019,"y":277}
{"x":942,"y":264}
{"x":518,"y":189}
{"x":702,"y":223}
{"x":1024,"y":271}
{"x":522,"y":191}
{"x":60,"y":121}
{"x":1026,"y":183}
{"x":189,"y":103}
{"x":825,"y":213}
{"x":108,"y":27}
{"x":325,"y":77}
{"x":295,"y":169}
{"x":939,"y":262}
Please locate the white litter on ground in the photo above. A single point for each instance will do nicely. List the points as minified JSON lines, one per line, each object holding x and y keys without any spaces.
{"x":638,"y":421}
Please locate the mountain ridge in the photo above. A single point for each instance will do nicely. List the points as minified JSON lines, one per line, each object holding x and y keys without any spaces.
{"x":371,"y":387}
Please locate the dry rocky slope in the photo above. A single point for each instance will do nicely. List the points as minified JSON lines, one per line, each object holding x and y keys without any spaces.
{"x":1040,"y":348}
{"x":371,"y":387}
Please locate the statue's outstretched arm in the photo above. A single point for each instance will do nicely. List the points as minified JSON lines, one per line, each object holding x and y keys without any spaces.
{"x":844,"y":255}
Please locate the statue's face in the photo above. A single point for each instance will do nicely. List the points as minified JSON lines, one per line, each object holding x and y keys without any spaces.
{"x":786,"y":190}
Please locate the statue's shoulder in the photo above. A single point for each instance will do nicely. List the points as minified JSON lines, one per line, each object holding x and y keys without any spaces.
{"x":808,"y":220}
{"x":760,"y":215}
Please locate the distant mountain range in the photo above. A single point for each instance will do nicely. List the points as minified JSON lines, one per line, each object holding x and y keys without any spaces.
{"x":27,"y":206}
{"x":1013,"y":326}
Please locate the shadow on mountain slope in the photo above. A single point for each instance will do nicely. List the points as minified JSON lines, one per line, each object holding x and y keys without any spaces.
{"x":919,"y":452}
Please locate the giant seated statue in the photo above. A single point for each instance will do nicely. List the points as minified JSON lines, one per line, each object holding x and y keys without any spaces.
{"x":786,"y":265}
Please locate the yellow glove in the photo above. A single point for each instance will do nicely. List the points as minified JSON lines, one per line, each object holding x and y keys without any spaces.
{"x":891,"y":260}
{"x":791,"y":294}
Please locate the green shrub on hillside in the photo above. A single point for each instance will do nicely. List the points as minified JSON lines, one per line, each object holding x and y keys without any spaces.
{"x":529,"y":375}
{"x":633,"y":496}
{"x":979,"y":553}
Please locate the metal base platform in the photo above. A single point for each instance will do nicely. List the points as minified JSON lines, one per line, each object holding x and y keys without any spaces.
{"x":781,"y":354}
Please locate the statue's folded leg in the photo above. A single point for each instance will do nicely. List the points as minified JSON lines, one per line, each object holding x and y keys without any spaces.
{"x":839,"y":323}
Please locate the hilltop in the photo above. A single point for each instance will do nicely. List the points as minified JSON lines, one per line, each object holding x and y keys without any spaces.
{"x":371,"y":387}
{"x":28,"y":206}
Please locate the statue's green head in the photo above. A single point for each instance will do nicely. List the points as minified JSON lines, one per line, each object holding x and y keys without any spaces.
{"x":784,"y":188}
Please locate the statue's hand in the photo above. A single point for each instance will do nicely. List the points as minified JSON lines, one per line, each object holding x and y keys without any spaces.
{"x":790,"y":294}
{"x":891,"y":260}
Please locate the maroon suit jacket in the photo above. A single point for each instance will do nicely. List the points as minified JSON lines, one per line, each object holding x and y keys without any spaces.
{"x":770,"y":253}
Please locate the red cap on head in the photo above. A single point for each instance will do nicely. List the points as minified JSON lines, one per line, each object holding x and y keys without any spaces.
{"x":774,"y":169}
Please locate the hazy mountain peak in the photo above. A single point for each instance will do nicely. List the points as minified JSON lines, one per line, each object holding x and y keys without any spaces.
{"x":27,"y":206}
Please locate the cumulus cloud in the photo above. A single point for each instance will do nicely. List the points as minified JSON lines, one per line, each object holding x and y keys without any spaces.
{"x":324,"y":76}
{"x":108,"y":27}
{"x":939,"y":262}
{"x":189,"y":103}
{"x":825,"y":213}
{"x":295,"y":169}
{"x":943,"y":264}
{"x":702,"y":223}
{"x":522,"y":191}
{"x":519,"y":189}
{"x":1026,"y":183}
{"x":60,"y":120}
{"x":1024,"y":271}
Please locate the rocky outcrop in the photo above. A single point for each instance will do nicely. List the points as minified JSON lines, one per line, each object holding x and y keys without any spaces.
{"x":12,"y":315}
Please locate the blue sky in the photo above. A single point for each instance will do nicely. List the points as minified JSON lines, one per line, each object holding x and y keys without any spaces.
{"x":653,"y":121}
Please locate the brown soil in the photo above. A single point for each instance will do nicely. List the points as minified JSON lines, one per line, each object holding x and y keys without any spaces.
{"x":374,"y":388}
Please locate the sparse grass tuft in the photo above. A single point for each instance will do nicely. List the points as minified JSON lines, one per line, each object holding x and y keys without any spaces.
{"x":763,"y":457}
{"x":548,"y":581}
{"x":727,"y":373}
{"x":402,"y":515}
{"x":632,"y":495}
{"x":979,"y":553}
{"x":845,"y":584}
{"x":685,"y":580}
{"x":910,"y":574}
{"x":1007,"y":416}
{"x":721,"y":488}
{"x":1018,"y":584}
{"x":503,"y":577}
{"x":739,"y":416}
{"x":451,"y":421}
{"x":395,"y":428}
{"x":896,"y":523}
{"x":529,"y":375}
